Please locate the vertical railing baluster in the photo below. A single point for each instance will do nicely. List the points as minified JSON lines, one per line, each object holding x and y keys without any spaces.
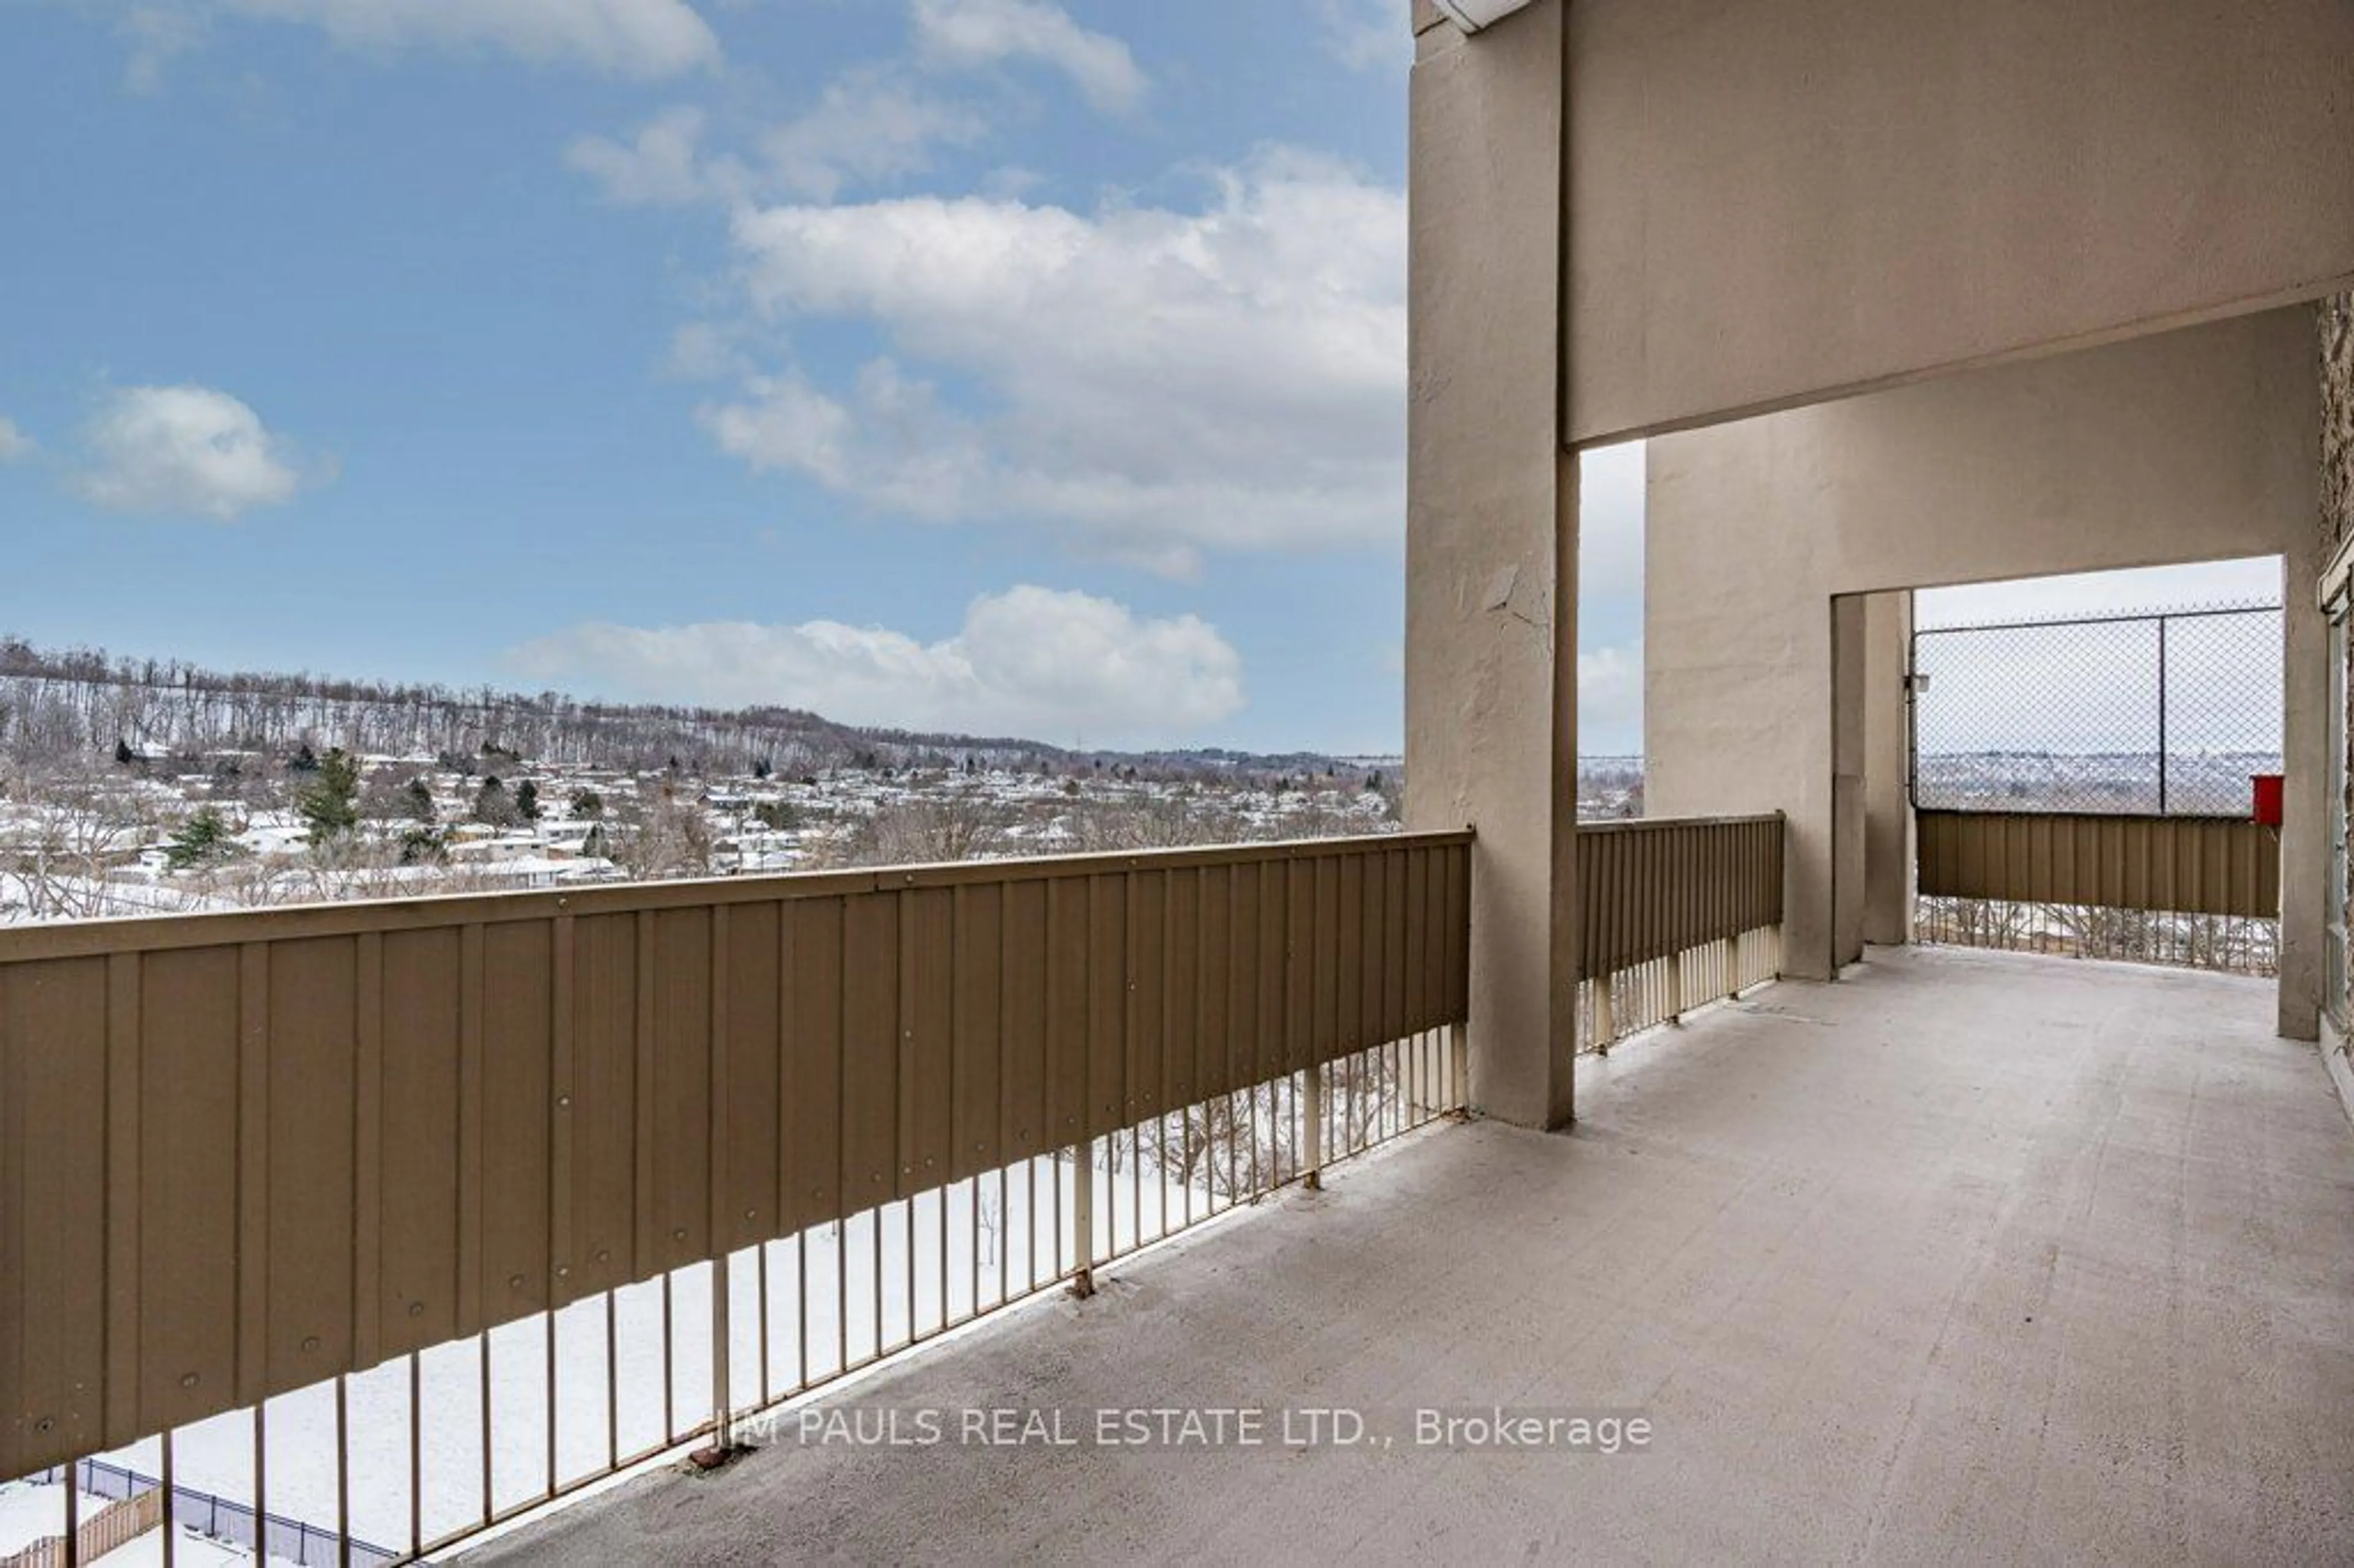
{"x":342,"y":1474}
{"x":669,"y":1368}
{"x":761,"y":1288}
{"x":1083,"y":1219}
{"x":547,"y":1355}
{"x":723,"y":1401}
{"x":612,"y":1381}
{"x":1458,"y":1064}
{"x":483,"y":1365}
{"x":1314,"y":1153}
{"x":415,"y":1455}
{"x":801,"y":1310}
{"x":170,"y":1505}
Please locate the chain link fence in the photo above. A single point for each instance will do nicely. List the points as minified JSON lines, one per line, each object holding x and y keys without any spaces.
{"x":290,"y":1541}
{"x":2166,"y":714}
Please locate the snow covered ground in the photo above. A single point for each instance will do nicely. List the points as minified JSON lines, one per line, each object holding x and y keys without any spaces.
{"x":29,"y":1512}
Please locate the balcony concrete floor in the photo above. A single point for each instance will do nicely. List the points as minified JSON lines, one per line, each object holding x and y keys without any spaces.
{"x":1972,"y":1256}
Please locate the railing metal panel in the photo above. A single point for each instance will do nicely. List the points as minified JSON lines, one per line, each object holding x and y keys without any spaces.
{"x":2188,"y":865}
{"x":242,"y":1154}
{"x":1677,"y":913}
{"x":1652,"y":888}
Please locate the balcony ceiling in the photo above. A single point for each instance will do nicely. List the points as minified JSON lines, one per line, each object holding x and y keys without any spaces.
{"x":1979,"y":1254}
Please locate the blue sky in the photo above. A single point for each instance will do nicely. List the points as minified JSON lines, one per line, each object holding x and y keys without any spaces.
{"x":987,"y":364}
{"x":1001,"y":366}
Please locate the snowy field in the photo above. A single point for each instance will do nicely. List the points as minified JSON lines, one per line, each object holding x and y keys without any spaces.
{"x":834,"y":1298}
{"x":29,"y":1512}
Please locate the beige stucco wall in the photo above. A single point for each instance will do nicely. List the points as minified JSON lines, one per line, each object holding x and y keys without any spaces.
{"x":1491,"y":553}
{"x":2333,"y":322}
{"x":1775,"y":202}
{"x":2194,"y":445}
{"x":1635,"y":214}
{"x":1888,"y":859}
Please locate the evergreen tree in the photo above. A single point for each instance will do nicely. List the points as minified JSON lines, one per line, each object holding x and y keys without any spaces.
{"x":526,"y":801}
{"x":588,"y":803}
{"x":422,"y":845}
{"x":420,"y":799}
{"x":304,"y":761}
{"x":123,"y":756}
{"x":330,"y":803}
{"x":201,"y":839}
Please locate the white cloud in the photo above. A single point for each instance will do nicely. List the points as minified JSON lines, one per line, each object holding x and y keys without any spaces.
{"x":1031,"y":661}
{"x":1610,"y":510}
{"x":158,"y":33}
{"x":662,"y":166}
{"x":621,"y":38}
{"x":964,"y":34}
{"x":868,"y":127}
{"x":185,"y":450}
{"x":1610,"y":700}
{"x":1150,"y":382}
{"x":2139,"y":588}
{"x":15,"y":444}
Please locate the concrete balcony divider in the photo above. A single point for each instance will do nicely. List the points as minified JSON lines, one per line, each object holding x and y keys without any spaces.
{"x":246,"y":1154}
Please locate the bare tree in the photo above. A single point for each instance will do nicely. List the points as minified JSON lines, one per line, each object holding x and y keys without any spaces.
{"x":665,"y":837}
{"x":71,"y":829}
{"x":926,"y":830}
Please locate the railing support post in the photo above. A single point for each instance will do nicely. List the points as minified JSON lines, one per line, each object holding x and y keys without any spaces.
{"x":1676,"y":989}
{"x":1312,"y":1107}
{"x":1605,"y":1015}
{"x":1083,"y":1219}
{"x":1459,"y":1059}
{"x":1729,"y":972}
{"x":723,"y":1420}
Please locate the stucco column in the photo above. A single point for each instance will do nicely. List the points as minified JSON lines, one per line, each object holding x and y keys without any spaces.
{"x":1888,"y":861}
{"x":1491,"y":537}
{"x":1850,"y":688}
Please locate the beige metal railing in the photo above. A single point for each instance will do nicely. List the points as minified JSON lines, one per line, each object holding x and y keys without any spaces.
{"x":2188,"y":866}
{"x":1675,"y":912}
{"x":378,"y":1155}
{"x":2195,"y":892}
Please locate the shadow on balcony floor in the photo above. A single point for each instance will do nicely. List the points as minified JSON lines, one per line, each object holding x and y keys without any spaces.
{"x":1972,"y":1256}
